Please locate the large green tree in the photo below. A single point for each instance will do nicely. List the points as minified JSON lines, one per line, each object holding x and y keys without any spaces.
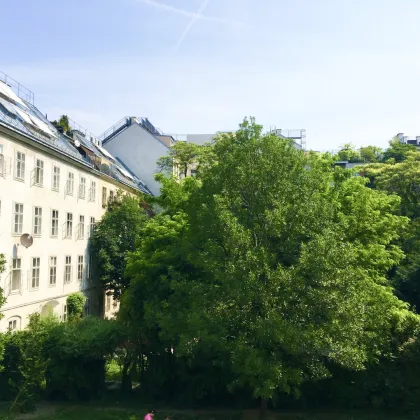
{"x":184,"y":156}
{"x":402,"y":178}
{"x":398,"y":151}
{"x":114,"y":236}
{"x":276,"y":263}
{"x":370,"y":154}
{"x":348,"y":153}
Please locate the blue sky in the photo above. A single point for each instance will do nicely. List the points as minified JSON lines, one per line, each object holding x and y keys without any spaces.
{"x":345,"y":70}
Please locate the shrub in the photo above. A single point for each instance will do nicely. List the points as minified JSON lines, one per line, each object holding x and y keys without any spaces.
{"x":75,"y":354}
{"x":75,"y":303}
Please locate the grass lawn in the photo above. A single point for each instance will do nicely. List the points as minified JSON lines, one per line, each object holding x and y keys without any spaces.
{"x":50,"y":412}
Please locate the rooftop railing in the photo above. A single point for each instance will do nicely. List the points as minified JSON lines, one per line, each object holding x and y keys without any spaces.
{"x":20,"y":90}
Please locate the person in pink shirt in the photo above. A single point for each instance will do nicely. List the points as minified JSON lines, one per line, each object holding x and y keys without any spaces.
{"x":150,"y":415}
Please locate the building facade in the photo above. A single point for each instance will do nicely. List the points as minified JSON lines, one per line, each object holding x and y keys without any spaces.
{"x":140,"y":144}
{"x":53,"y":189}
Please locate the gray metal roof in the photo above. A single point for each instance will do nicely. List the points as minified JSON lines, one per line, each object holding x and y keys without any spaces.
{"x":60,"y":142}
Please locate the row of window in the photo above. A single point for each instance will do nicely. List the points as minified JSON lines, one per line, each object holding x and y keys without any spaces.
{"x":37,"y":178}
{"x":37,"y":223}
{"x":14,"y":323}
{"x":35,"y":272}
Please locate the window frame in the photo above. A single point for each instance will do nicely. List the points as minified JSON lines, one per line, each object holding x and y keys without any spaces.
{"x":20,"y":220}
{"x":56,"y":176}
{"x":104,"y":196}
{"x":50,"y":268}
{"x":39,"y":172}
{"x":15,"y":270}
{"x":91,"y":226}
{"x":80,"y":267}
{"x":81,"y":227}
{"x":54,"y":219}
{"x":82,"y":188}
{"x":20,"y":166}
{"x":35,"y":273}
{"x":70,"y":182}
{"x":69,"y":225}
{"x":37,"y":218}
{"x":92,"y":195}
{"x":67,"y":265}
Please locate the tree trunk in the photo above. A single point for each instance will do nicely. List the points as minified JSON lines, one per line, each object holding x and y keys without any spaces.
{"x":126,"y":384}
{"x":263,"y":408}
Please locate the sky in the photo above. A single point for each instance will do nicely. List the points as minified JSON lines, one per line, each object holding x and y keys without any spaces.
{"x":347,"y":71}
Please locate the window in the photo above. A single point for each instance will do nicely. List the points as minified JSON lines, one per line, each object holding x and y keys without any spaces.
{"x":92,"y":191}
{"x":56,"y":178}
{"x":87,"y":307}
{"x":108,"y":303}
{"x":17,"y":218}
{"x":16,"y":274}
{"x":35,"y":272}
{"x":111,"y":196}
{"x":54,"y":223}
{"x":80,"y":268}
{"x":103,"y":197}
{"x":53,"y":271}
{"x":12,"y":325}
{"x":70,"y":184}
{"x":81,"y":228}
{"x":67,"y":270}
{"x":20,"y":166}
{"x":69,"y":225}
{"x":92,"y":226}
{"x":65,"y":313}
{"x":37,"y":221}
{"x":39,"y":172}
{"x":82,"y":188}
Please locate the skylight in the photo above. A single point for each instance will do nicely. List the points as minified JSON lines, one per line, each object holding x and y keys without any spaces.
{"x":6,"y":91}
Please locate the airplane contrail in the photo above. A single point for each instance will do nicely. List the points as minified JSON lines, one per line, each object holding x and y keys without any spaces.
{"x":190,"y":24}
{"x":196,"y":15}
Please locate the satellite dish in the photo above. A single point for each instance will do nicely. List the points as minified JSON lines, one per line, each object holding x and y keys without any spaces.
{"x":77,"y":143}
{"x":26,"y":240}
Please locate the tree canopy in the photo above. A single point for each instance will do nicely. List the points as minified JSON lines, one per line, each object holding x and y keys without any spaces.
{"x":114,"y":236}
{"x":398,"y":151}
{"x":184,"y":157}
{"x":274,"y":261}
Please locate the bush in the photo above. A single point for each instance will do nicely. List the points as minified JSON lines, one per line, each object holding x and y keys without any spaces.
{"x":23,"y":365}
{"x":75,"y":354}
{"x":75,"y":303}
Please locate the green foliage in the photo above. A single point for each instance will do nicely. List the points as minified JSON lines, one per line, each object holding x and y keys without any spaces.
{"x":75,"y":304}
{"x":398,"y":152}
{"x":64,"y":123}
{"x":75,"y":357}
{"x":370,"y":154}
{"x":22,"y":375}
{"x":272,"y":263}
{"x":184,"y":156}
{"x":114,"y":236}
{"x":403,"y":179}
{"x":348,"y":153}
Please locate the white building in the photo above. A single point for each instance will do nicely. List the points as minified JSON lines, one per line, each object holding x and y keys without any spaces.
{"x":54,"y":189}
{"x":140,"y":144}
